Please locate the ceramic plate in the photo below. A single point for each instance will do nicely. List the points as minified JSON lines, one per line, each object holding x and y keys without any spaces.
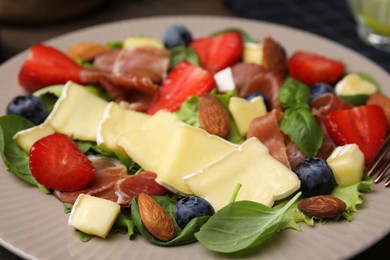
{"x":34,"y":226}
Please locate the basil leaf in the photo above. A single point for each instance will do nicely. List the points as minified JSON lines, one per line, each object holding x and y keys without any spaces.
{"x":302,"y":128}
{"x":15,"y":158}
{"x":242,"y":225}
{"x":183,"y":53}
{"x":245,"y":36}
{"x":183,"y":237}
{"x":293,"y":93}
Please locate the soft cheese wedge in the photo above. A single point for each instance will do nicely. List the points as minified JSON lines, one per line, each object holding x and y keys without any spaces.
{"x":263,"y":178}
{"x":190,"y":150}
{"x":77,"y":113}
{"x":148,"y":144}
{"x":26,"y":138}
{"x":117,"y":121}
{"x":244,"y":111}
{"x":172,"y":149}
{"x":93,"y":215}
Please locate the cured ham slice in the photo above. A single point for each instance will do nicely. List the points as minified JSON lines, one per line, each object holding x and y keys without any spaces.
{"x":251,"y":78}
{"x":266,"y":129}
{"x":131,"y":186}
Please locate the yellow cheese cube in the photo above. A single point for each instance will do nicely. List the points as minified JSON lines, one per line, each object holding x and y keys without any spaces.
{"x":26,"y":138}
{"x":143,"y":41}
{"x":93,"y":215}
{"x":347,"y":164}
{"x":263,"y":179}
{"x":116,"y":121}
{"x":77,"y":113}
{"x":253,"y":53}
{"x":244,"y":111}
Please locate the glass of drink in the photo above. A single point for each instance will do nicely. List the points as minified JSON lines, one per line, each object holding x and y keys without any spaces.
{"x":373,"y":21}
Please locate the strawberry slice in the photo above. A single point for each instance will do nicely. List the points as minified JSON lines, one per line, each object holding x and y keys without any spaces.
{"x":57,"y":163}
{"x":47,"y":66}
{"x":311,"y":68}
{"x":218,"y":52}
{"x":365,"y":126}
{"x":183,"y":81}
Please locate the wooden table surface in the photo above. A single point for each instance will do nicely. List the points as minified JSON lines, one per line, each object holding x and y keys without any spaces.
{"x":16,"y":38}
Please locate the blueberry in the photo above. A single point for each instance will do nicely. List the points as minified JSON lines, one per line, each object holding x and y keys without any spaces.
{"x":316,"y":177}
{"x":191,"y":207}
{"x":175,"y":35}
{"x":257,"y":94}
{"x":318,"y":89}
{"x":28,"y":106}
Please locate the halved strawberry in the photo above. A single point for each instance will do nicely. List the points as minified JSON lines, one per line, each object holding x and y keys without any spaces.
{"x":365,"y":126}
{"x":218,"y":52}
{"x":311,"y":68}
{"x":47,"y":66}
{"x":183,"y":81}
{"x":57,"y":163}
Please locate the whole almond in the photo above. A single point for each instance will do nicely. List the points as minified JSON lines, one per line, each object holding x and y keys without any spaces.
{"x":213,"y":117}
{"x":155,"y":219}
{"x":274,"y":57}
{"x":87,"y":51}
{"x":322,"y":206}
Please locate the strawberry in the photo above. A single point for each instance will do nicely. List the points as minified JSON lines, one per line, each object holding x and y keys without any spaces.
{"x":218,"y":52}
{"x":310,"y":68}
{"x":365,"y":126}
{"x":46,"y":66}
{"x":57,"y":163}
{"x":183,"y":81}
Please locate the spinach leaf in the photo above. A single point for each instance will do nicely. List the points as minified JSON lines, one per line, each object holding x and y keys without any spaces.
{"x":183,"y":53}
{"x":183,"y":237}
{"x":302,"y":128}
{"x":242,"y":225}
{"x":293,"y":93}
{"x":123,"y":224}
{"x":15,"y":158}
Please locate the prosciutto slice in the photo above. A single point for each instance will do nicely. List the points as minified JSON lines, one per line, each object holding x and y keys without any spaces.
{"x":145,"y":182}
{"x":251,"y":78}
{"x":266,"y":129}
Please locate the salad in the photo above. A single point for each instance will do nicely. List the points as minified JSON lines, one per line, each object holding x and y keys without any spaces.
{"x":206,"y":67}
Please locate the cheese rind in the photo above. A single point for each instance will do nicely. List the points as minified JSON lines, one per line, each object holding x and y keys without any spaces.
{"x":117,"y":121}
{"x":93,"y":215}
{"x":26,"y":138}
{"x":263,"y":179}
{"x":77,"y":113}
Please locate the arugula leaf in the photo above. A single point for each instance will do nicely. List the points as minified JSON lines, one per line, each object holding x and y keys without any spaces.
{"x":189,"y":111}
{"x":124,"y":225}
{"x":183,"y":53}
{"x":293,"y":93}
{"x":15,"y":158}
{"x":302,"y":128}
{"x":183,"y":237}
{"x":115,"y":45}
{"x":242,"y":225}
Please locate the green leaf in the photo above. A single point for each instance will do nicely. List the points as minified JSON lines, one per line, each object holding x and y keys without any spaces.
{"x":15,"y":158}
{"x":245,"y":36}
{"x":124,"y":225}
{"x":189,"y":111}
{"x":67,"y":207}
{"x":302,"y":128}
{"x":84,"y":237}
{"x":183,"y":53}
{"x":115,"y":45}
{"x":242,"y":225}
{"x":183,"y":236}
{"x":293,"y":93}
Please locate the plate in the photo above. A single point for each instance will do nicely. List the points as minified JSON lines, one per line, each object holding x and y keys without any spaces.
{"x":34,"y":226}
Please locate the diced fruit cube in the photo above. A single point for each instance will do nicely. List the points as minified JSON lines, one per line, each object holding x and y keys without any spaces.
{"x":224,"y":80}
{"x":93,"y":215}
{"x":347,"y":164}
{"x":244,"y":111}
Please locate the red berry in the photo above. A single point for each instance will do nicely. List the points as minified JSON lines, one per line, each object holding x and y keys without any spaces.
{"x":57,"y":163}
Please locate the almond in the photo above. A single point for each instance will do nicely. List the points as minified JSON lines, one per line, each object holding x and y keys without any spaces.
{"x":274,"y":57}
{"x":87,"y":51}
{"x":155,"y":219}
{"x":322,"y":206}
{"x":383,"y":101}
{"x":213,"y":116}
